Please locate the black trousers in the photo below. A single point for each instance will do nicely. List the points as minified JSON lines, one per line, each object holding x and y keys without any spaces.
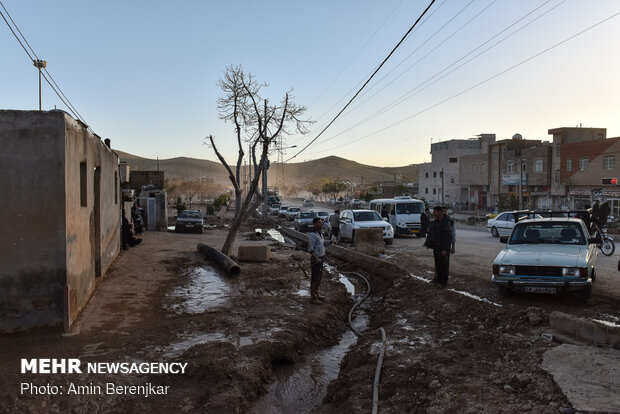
{"x":442,"y":266}
{"x":316,"y":271}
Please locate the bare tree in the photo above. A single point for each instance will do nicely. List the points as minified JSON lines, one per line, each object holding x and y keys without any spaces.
{"x":257,"y":125}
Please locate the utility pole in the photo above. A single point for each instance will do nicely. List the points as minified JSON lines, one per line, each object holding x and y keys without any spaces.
{"x":40,"y":64}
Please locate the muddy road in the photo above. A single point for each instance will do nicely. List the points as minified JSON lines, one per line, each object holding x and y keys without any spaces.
{"x":257,"y":344}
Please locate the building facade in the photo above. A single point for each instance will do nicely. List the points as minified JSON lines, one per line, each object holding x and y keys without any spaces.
{"x":60,"y":214}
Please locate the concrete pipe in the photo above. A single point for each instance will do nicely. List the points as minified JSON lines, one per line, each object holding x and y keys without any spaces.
{"x":220,"y":258}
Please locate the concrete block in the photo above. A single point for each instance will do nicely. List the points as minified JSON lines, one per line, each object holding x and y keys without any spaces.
{"x":369,"y":241}
{"x":253,"y":253}
{"x":587,"y":330}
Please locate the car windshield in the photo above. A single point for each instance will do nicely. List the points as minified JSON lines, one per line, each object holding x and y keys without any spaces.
{"x":548,"y":233}
{"x":284,"y":208}
{"x":294,"y":210}
{"x":306,"y":215}
{"x":409,"y":208}
{"x":190,"y":214}
{"x":366,"y":216}
{"x":322,"y":214}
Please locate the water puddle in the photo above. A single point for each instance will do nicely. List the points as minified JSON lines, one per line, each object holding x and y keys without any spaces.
{"x":187,"y":341}
{"x":351,"y":288}
{"x":273,"y":233}
{"x":303,"y":293}
{"x":206,"y":289}
{"x":170,"y":228}
{"x":460,"y":292}
{"x":301,"y":387}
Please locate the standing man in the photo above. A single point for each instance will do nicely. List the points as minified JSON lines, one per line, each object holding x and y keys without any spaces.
{"x":424,"y":218}
{"x":316,"y":247}
{"x":452,"y":229}
{"x":441,"y":235}
{"x":334,"y":223}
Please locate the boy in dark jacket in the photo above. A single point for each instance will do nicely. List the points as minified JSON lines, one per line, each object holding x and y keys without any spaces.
{"x":440,"y":239}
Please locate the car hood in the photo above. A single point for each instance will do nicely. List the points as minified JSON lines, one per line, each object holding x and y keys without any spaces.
{"x":370,"y":224}
{"x":543,"y":255}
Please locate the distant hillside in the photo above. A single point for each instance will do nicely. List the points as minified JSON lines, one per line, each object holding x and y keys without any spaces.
{"x":294,"y":173}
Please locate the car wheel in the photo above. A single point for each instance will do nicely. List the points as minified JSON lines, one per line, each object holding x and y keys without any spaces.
{"x":586,"y":295}
{"x":176,"y":229}
{"x":201,"y":230}
{"x":353,"y":237}
{"x":388,"y":241}
{"x":494,"y":232}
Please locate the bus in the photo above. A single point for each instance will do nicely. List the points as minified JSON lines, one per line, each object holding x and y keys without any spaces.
{"x":403,"y":213}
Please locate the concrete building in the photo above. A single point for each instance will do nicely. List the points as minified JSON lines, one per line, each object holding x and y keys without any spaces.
{"x":60,"y":217}
{"x":562,"y":136}
{"x":533,"y":158}
{"x":586,"y":170}
{"x":439,"y":179}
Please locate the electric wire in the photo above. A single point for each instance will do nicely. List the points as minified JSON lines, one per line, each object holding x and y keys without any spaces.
{"x":425,"y":84}
{"x":367,"y":81}
{"x":49,"y":80}
{"x":370,"y":73}
{"x":477,"y":84}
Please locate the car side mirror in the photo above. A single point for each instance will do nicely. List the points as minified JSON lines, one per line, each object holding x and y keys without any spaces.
{"x":385,"y":219}
{"x":503,"y":239}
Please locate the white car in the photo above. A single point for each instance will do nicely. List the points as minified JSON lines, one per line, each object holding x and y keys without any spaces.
{"x":547,"y":255}
{"x":351,"y":220}
{"x":503,"y":223}
{"x":292,"y":213}
{"x":274,"y":210}
{"x":283,"y":210}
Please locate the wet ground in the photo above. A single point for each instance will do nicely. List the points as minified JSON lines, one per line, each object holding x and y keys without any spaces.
{"x":257,"y":344}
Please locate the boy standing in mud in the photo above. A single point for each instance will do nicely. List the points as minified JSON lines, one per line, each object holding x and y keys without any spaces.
{"x":440,"y":240}
{"x":316,"y":247}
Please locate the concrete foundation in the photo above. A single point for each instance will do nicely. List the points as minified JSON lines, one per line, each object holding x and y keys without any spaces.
{"x":587,"y":330}
{"x":247,"y":253}
{"x":369,"y":241}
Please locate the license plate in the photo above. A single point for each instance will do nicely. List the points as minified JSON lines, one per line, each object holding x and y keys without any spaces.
{"x":534,"y":289}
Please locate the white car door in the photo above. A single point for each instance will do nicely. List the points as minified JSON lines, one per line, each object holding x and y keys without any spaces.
{"x":346,"y":225}
{"x":507,"y":224}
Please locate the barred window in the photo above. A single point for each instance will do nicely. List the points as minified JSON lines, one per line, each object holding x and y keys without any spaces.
{"x":569,"y":165}
{"x":584,"y":164}
{"x":609,"y":162}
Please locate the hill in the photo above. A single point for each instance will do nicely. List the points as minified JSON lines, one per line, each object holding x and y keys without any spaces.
{"x":331,"y":167}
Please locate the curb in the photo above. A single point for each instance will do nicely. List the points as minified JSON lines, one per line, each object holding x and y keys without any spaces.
{"x":588,"y":330}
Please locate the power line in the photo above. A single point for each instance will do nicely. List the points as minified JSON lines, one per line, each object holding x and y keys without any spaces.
{"x":369,"y":79}
{"x":425,"y":84}
{"x":370,"y":73}
{"x":54,"y":87}
{"x":477,"y":84}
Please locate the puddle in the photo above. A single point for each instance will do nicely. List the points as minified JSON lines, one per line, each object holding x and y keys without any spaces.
{"x":301,"y":387}
{"x":170,"y":228}
{"x":206,"y":289}
{"x":274,"y":234}
{"x":303,"y":293}
{"x":351,"y":288}
{"x":460,"y":292}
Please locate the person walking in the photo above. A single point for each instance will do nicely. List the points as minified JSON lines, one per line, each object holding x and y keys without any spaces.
{"x":334,"y":223}
{"x":440,"y":240}
{"x":316,"y":247}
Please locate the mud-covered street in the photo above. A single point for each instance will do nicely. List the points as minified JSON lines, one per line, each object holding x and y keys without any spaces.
{"x":257,"y":344}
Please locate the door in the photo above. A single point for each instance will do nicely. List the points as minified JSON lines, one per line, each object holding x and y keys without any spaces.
{"x":346,"y":225}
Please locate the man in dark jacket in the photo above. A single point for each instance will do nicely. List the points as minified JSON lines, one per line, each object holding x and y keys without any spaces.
{"x":440,"y":239}
{"x":424,"y":218}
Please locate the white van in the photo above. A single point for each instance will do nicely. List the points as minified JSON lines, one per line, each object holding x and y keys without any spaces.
{"x":403,"y":213}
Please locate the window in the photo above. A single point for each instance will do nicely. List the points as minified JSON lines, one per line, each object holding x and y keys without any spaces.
{"x":538,"y":165}
{"x":511,"y":166}
{"x":434,"y":191}
{"x":434,"y":174}
{"x":483,"y":168}
{"x":609,"y":162}
{"x":494,"y":177}
{"x":556,"y":176}
{"x":451,"y":180}
{"x":426,"y":190}
{"x":426,"y":174}
{"x":83,"y":186}
{"x":474,"y":169}
{"x":569,"y":165}
{"x":584,"y":164}
{"x":523,"y":166}
{"x":453,"y":160}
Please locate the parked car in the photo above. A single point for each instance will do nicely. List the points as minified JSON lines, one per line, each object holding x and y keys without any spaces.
{"x":352,"y":220}
{"x":323,"y":215}
{"x":308,"y":203}
{"x":304,"y":223}
{"x":547,"y":255}
{"x":274,"y":209}
{"x":282,"y":211}
{"x":292,"y":213}
{"x":189,"y":220}
{"x":503,"y":223}
{"x":327,"y":228}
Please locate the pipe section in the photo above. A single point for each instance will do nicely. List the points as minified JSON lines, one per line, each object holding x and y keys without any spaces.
{"x":220,"y":259}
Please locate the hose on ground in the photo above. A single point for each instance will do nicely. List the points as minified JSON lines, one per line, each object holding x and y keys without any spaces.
{"x":375,"y":387}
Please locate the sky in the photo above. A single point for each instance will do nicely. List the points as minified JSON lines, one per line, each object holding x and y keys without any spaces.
{"x":145,"y":73}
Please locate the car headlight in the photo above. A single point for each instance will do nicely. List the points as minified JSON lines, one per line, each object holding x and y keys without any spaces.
{"x":388,"y":228}
{"x":507,"y":270}
{"x":574,"y":271}
{"x":401,"y":225}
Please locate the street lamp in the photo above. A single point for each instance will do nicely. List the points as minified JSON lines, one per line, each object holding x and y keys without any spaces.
{"x":40,"y":64}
